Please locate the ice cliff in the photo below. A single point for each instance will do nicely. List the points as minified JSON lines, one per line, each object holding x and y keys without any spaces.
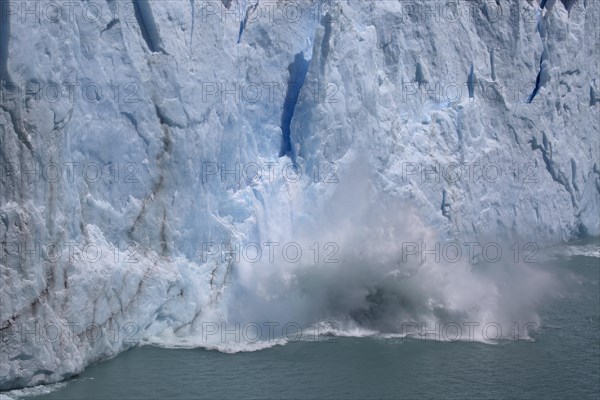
{"x":123,"y":123}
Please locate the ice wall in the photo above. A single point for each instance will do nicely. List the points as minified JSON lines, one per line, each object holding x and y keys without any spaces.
{"x":120,"y":121}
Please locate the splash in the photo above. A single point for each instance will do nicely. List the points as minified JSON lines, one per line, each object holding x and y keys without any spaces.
{"x":368,"y":286}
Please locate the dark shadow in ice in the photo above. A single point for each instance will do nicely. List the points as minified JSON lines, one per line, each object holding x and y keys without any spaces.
{"x":471,"y":82}
{"x":143,"y":15}
{"x":538,"y":80}
{"x":298,"y":70}
{"x":4,"y":37}
{"x":244,"y":22}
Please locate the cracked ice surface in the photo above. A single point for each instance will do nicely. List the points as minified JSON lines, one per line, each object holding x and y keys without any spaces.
{"x":371,"y":58}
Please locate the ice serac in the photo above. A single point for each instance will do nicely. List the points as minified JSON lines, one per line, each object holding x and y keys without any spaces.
{"x":165,"y":101}
{"x":397,"y":119}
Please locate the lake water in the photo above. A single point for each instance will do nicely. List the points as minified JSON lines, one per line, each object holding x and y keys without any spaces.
{"x":562,"y":363}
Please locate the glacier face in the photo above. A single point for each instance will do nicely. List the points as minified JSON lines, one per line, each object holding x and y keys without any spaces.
{"x":124,"y":123}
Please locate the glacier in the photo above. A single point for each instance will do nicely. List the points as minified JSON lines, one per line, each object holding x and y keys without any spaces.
{"x":132,"y":133}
